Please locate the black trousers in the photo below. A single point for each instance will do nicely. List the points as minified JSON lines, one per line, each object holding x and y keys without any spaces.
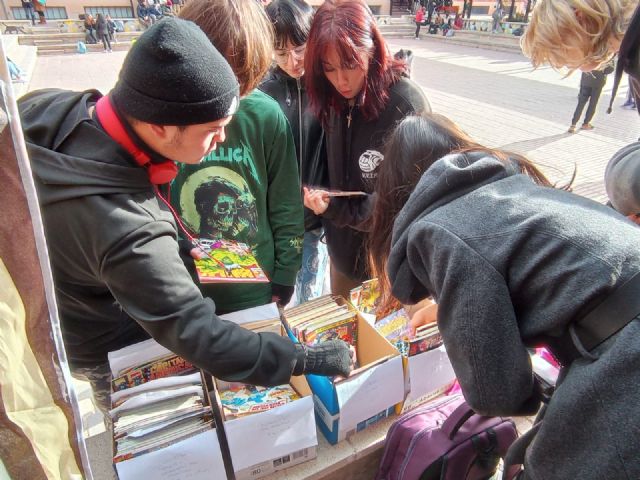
{"x":106,"y":42}
{"x":592,"y":95}
{"x":418,"y":25}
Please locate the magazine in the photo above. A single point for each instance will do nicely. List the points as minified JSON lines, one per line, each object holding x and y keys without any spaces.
{"x":240,"y":399}
{"x":228,"y":261}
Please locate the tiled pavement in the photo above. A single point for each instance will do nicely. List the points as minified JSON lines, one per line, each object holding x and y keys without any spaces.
{"x":494,"y":96}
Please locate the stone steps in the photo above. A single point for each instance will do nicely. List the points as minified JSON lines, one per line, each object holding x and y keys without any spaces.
{"x":59,"y":49}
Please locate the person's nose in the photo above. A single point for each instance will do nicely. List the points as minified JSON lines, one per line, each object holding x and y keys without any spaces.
{"x":342,"y":78}
{"x":222,"y":135}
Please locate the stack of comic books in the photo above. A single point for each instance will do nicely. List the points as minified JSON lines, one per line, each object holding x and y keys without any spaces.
{"x":239,"y":399}
{"x":228,"y":261}
{"x":322,"y":319}
{"x":395,"y":328}
{"x":155,"y":404}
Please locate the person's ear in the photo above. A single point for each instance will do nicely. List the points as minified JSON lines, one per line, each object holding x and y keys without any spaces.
{"x":162,"y":132}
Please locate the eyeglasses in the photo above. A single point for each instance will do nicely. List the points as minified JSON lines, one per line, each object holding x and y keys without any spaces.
{"x":282,"y":56}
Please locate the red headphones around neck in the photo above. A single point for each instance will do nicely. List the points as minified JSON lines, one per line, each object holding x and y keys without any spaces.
{"x":159,"y":173}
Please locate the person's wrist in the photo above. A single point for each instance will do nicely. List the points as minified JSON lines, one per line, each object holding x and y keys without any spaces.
{"x":301,"y":359}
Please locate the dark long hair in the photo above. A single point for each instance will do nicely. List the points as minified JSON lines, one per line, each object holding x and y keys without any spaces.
{"x":349,"y":27}
{"x":416,"y":144}
{"x":291,"y":20}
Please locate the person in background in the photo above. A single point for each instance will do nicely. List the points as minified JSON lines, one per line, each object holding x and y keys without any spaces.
{"x":247,"y":190}
{"x":622,"y":181}
{"x":630,"y":102}
{"x":458,"y":23}
{"x":497,"y":16}
{"x":590,"y":32}
{"x":291,"y":20}
{"x":591,"y":85}
{"x":111,"y":27}
{"x":145,"y":16}
{"x":40,"y":8}
{"x":419,"y":19}
{"x":111,"y":236}
{"x":358,"y":91}
{"x":514,"y":263}
{"x":90,"y":29}
{"x":102,"y":29}
{"x":29,"y":13}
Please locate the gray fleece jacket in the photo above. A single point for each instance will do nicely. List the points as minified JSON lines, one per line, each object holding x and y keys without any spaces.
{"x":511,"y":264}
{"x":117,"y":272}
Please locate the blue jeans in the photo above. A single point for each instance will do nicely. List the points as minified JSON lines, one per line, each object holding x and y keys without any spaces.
{"x":310,"y":280}
{"x":30,"y":13}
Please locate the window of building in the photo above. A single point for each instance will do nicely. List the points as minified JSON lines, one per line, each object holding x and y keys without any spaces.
{"x":50,"y":13}
{"x":115,"y":12}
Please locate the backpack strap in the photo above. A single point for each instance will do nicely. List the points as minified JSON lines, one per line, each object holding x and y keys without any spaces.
{"x":457,"y":418}
{"x":610,"y":316}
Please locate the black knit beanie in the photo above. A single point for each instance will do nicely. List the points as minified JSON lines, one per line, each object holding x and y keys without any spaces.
{"x":173,"y":75}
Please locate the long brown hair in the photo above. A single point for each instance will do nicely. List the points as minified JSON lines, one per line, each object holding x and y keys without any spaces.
{"x":422,"y":140}
{"x":242,"y":33}
{"x":350,"y":27}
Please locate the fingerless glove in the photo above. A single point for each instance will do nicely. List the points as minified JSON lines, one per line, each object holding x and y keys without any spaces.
{"x":328,"y":358}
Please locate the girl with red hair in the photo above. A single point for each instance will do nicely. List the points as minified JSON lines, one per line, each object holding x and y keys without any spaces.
{"x":359,"y":92}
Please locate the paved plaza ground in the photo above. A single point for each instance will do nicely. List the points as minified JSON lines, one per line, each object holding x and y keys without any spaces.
{"x":496,"y":97}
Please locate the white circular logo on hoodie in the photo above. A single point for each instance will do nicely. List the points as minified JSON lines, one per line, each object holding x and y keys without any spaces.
{"x":370,"y":160}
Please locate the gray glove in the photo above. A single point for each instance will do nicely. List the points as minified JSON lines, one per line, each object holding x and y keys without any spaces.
{"x":327,"y":358}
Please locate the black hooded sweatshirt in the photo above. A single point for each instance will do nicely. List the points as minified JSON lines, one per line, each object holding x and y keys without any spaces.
{"x":112,"y":244}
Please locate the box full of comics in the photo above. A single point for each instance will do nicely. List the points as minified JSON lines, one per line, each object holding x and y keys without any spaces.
{"x":345,"y":406}
{"x":267,"y":429}
{"x":162,"y":420}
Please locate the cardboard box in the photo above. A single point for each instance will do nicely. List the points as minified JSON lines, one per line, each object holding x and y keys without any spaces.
{"x":371,"y":392}
{"x":263,"y":443}
{"x":196,"y":457}
{"x":428,"y":375}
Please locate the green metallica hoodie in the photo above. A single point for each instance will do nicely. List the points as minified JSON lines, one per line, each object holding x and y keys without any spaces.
{"x":248,"y":189}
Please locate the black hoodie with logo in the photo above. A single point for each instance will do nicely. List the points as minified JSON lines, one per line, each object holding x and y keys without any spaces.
{"x":354,"y":152}
{"x":112,"y":244}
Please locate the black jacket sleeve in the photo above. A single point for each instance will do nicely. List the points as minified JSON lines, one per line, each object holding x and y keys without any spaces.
{"x":146,"y":276}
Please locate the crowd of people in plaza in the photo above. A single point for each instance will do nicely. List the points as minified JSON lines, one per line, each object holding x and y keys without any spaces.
{"x":299,"y":133}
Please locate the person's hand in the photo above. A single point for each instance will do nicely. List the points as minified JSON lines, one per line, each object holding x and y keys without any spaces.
{"x":330,"y":358}
{"x":423,"y":316}
{"x":281,"y":294}
{"x":316,"y":200}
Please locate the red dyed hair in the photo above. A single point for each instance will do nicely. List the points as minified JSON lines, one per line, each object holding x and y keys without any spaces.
{"x":350,"y":28}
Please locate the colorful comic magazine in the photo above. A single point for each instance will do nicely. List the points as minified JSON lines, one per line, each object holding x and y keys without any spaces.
{"x":228,"y":261}
{"x":166,"y":366}
{"x":245,"y":399}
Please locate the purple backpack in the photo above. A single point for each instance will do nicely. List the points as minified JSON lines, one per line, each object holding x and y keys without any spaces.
{"x":446,"y":440}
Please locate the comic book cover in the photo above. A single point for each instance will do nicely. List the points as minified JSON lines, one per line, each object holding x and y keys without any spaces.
{"x":343,"y":328}
{"x":393,"y":326}
{"x":366,"y":297}
{"x":241,"y":400}
{"x":166,"y":366}
{"x":424,"y":343}
{"x":228,"y":261}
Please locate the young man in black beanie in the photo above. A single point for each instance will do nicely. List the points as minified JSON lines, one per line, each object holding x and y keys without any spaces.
{"x":112,"y":240}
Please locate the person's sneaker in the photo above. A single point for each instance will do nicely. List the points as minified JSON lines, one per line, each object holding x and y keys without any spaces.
{"x":572,"y":129}
{"x":587,"y":126}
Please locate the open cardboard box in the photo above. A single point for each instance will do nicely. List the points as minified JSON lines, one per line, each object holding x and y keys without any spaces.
{"x":427,"y":374}
{"x":265,"y":442}
{"x":348,"y":405}
{"x":197,"y":457}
